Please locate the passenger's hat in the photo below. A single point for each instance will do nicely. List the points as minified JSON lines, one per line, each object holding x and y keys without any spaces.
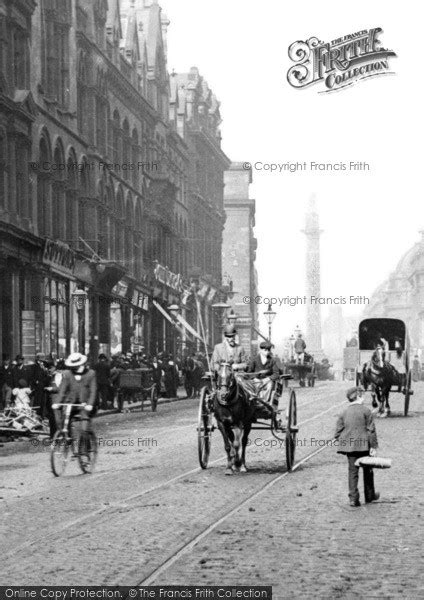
{"x":230,"y":330}
{"x":22,"y":383}
{"x":75,"y":360}
{"x":266,"y":345}
{"x":352,"y":393}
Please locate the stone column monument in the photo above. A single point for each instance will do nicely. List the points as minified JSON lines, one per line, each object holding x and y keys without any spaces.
{"x":313,"y":281}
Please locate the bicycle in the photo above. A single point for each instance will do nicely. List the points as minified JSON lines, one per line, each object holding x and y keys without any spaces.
{"x":83,"y":444}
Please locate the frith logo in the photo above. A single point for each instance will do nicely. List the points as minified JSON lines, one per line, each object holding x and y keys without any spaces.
{"x":340,"y":63}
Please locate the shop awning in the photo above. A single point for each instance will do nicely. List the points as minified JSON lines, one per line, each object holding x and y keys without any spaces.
{"x":165,"y":314}
{"x":189,"y":328}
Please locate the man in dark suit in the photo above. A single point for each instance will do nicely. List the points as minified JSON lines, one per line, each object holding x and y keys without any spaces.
{"x":38,"y":379}
{"x":6,"y":382}
{"x":356,"y":436}
{"x":102,"y":369}
{"x":19,"y":371}
{"x":78,"y":386}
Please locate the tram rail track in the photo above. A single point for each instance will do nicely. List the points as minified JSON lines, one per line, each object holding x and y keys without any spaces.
{"x":116,"y":506}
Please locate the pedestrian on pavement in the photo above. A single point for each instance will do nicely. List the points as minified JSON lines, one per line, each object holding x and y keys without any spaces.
{"x":19,"y":371}
{"x":156,"y":367}
{"x":171,"y":378}
{"x":357,"y":436}
{"x":38,"y":378}
{"x":55,"y":379}
{"x":6,"y":382}
{"x":299,"y":349}
{"x":102,"y":369}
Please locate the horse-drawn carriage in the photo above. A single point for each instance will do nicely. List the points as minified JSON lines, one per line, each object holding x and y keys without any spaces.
{"x":137,"y":385}
{"x":384,"y":360}
{"x":305,"y":372}
{"x":224,"y":401}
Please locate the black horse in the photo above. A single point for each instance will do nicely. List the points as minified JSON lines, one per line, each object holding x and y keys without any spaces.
{"x":234,"y":414}
{"x":381,"y":375}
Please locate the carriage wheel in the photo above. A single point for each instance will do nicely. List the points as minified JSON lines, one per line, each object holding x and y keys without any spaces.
{"x":407,"y":395}
{"x":59,"y":453}
{"x":154,"y":398}
{"x":204,"y":429}
{"x":291,"y":431}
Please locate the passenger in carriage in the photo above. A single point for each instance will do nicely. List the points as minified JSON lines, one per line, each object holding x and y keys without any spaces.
{"x":265,"y":365}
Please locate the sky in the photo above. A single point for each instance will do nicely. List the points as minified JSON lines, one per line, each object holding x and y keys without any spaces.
{"x":369,"y":218}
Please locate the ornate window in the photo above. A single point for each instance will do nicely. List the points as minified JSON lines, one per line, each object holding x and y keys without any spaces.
{"x":57,"y":18}
{"x":3,"y":168}
{"x":71,"y":222}
{"x":101,"y":112}
{"x":43,"y":191}
{"x":135,"y":157}
{"x":58,"y":208}
{"x":126,"y":149}
{"x":84,"y":215}
{"x":20,"y":60}
{"x":116,"y":138}
{"x":82,"y":93}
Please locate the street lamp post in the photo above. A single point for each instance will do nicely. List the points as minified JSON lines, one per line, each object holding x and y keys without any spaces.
{"x":269,"y":316}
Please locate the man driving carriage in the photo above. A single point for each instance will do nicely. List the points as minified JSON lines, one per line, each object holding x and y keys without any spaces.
{"x":264,"y":365}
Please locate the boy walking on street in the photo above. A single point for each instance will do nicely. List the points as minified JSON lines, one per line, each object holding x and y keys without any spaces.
{"x":357,"y":436}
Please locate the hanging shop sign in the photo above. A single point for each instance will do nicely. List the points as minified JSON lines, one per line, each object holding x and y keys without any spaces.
{"x":120,"y":289}
{"x":59,"y":256}
{"x":166,"y":277}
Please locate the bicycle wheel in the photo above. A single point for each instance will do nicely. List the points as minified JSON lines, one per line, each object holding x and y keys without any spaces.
{"x":59,"y":453}
{"x":87,"y":451}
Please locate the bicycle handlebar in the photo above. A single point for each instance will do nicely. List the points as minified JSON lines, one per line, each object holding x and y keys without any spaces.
{"x":80,"y":406}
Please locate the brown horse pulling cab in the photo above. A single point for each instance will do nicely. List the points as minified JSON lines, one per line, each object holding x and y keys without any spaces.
{"x":225,"y":405}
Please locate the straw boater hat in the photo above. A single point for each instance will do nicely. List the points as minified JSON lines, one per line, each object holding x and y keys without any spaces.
{"x":75,"y":360}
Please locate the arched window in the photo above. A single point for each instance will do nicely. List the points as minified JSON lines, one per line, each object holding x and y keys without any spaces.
{"x":135,"y":157}
{"x":82,"y":93}
{"x":43,"y":190}
{"x":129,"y":234}
{"x":119,"y":226}
{"x":83,"y":207}
{"x":126,"y":149}
{"x":3,"y":169}
{"x":101,"y":112}
{"x":58,"y":208}
{"x":71,"y":223}
{"x":56,"y":21}
{"x":116,"y":137}
{"x":138,"y":240}
{"x":22,"y":180}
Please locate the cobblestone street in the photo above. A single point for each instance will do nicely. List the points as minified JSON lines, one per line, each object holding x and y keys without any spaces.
{"x":149,"y":515}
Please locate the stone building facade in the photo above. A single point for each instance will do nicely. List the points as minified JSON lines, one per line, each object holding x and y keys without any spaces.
{"x":98,"y":179}
{"x":239,"y":253}
{"x":401,"y":296}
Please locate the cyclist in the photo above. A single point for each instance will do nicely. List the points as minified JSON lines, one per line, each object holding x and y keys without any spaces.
{"x":78,"y":386}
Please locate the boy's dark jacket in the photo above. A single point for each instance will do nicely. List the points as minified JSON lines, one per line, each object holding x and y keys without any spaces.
{"x":355,"y":430}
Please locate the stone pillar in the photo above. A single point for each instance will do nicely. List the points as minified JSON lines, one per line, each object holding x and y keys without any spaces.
{"x":313,"y":281}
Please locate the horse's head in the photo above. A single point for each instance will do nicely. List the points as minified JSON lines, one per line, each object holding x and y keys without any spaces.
{"x":226,"y":383}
